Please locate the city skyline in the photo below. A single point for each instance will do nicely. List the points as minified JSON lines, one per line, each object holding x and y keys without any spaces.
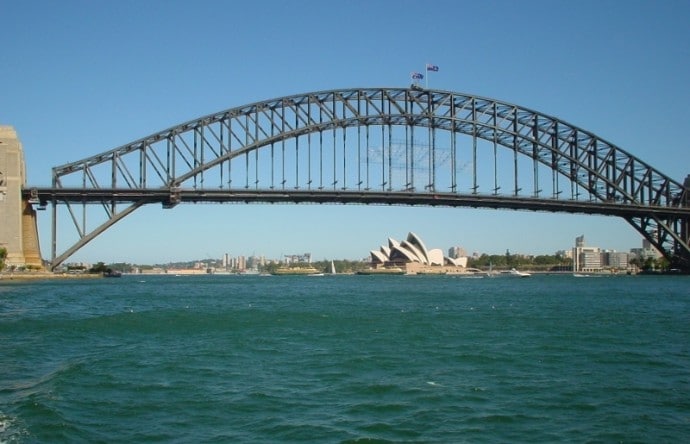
{"x":238,"y":260}
{"x":101,"y":75}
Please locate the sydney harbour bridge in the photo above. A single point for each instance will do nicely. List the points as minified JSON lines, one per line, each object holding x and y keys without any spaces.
{"x":388,"y":146}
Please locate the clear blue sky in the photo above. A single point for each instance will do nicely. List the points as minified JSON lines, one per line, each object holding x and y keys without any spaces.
{"x":82,"y":77}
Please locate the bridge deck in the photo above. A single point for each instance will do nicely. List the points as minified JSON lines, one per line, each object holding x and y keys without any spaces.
{"x":411,"y":198}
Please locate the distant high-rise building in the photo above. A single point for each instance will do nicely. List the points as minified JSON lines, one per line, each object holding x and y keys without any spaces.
{"x":296,"y":258}
{"x":647,"y":251}
{"x":617,"y":260}
{"x":254,"y":262}
{"x":585,"y":258}
{"x":456,"y":252}
{"x":580,"y":241}
{"x":590,"y":259}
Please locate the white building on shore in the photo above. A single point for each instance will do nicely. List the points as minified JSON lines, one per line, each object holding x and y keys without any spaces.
{"x":412,"y":256}
{"x":586,"y":259}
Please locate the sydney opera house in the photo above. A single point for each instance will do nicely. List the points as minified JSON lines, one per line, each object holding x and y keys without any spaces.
{"x":412,"y":257}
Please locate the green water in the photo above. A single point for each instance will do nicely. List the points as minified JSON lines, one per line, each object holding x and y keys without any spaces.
{"x":346,"y":359}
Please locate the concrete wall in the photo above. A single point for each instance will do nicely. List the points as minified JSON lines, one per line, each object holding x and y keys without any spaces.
{"x":18,"y":230}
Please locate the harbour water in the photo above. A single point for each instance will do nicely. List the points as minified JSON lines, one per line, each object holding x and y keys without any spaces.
{"x":346,"y":359}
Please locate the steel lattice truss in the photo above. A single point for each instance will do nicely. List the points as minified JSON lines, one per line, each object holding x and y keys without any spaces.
{"x":381,"y":145}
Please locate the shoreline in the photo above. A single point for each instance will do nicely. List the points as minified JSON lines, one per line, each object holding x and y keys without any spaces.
{"x":39,"y":275}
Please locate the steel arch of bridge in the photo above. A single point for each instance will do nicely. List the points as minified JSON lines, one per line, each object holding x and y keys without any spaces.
{"x":375,"y":146}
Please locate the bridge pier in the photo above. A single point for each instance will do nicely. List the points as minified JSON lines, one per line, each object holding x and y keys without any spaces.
{"x":18,"y":228}
{"x":685,"y":228}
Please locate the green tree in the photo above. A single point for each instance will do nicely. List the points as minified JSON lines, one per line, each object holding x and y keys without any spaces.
{"x":3,"y":256}
{"x":98,"y":268}
{"x":122,"y":267}
{"x":663,"y":264}
{"x":649,"y":264}
{"x":269,"y":268}
{"x":635,"y":262}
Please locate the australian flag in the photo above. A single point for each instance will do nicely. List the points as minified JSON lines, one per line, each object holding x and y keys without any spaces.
{"x":430,"y":67}
{"x":417,"y":76}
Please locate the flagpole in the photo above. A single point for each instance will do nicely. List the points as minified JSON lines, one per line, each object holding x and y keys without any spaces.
{"x":426,"y":77}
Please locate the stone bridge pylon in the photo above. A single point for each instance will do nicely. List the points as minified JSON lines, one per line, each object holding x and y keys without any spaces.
{"x":18,"y":227}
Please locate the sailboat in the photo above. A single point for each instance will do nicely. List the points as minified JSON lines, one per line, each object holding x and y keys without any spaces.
{"x":332,"y":268}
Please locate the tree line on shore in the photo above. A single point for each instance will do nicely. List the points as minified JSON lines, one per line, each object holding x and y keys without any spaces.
{"x":507,"y":261}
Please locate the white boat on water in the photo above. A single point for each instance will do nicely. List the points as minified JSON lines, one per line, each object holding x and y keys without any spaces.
{"x":332,"y":268}
{"x":515,"y":273}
